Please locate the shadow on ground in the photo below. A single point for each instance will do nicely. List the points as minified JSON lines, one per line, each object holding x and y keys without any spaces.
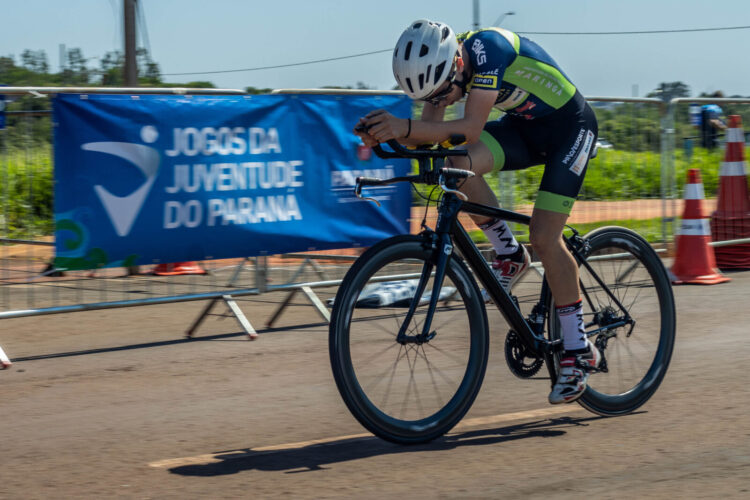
{"x":316,"y":456}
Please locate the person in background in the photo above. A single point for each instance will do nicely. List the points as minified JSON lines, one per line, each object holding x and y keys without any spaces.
{"x":712,"y":123}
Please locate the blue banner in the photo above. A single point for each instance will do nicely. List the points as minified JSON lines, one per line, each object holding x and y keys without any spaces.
{"x":148,"y":179}
{"x":2,"y":111}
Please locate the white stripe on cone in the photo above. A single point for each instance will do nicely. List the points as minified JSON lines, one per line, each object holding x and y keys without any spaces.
{"x":732,"y":168}
{"x":4,"y":361}
{"x":694,"y":191}
{"x":735,"y":135}
{"x":694,"y":227}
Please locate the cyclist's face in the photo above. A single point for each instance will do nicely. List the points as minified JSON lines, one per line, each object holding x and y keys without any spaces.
{"x":445,"y":95}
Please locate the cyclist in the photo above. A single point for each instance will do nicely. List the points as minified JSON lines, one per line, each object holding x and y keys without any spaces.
{"x":546,"y":121}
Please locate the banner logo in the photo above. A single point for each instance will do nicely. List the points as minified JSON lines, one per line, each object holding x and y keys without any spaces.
{"x":364,"y":153}
{"x":123,"y":210}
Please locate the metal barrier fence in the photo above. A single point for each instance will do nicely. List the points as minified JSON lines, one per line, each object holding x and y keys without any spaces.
{"x":635,"y":180}
{"x":30,"y":285}
{"x":623,"y":183}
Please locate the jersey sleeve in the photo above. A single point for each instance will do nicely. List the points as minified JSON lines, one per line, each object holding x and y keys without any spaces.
{"x":490,"y":53}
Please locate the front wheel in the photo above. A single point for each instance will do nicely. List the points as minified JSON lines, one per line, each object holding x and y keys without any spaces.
{"x":416,"y":388}
{"x":638,"y":352}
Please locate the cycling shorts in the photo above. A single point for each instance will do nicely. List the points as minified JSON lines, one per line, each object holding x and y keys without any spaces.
{"x":562,"y":142}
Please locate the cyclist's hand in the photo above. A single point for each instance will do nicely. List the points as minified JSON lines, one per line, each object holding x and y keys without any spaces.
{"x":383,"y":126}
{"x":362,"y":131}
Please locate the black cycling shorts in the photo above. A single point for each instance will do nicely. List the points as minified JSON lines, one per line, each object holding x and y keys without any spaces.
{"x":562,"y":142}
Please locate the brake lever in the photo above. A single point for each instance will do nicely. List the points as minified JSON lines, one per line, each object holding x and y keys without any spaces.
{"x":358,"y":190}
{"x":456,"y":172}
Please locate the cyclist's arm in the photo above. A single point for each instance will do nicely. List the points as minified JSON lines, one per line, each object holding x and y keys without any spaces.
{"x":383,"y":126}
{"x":431,"y":129}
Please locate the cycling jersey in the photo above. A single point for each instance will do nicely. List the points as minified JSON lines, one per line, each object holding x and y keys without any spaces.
{"x":530,"y":82}
{"x":547,"y":121}
{"x":563,"y":141}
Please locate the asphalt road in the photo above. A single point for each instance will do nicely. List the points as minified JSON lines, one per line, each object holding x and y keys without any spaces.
{"x":115,"y":404}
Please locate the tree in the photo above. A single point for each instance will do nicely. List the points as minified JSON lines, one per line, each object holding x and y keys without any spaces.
{"x":110,"y":68}
{"x":254,"y":90}
{"x":147,"y":70}
{"x":76,"y":71}
{"x":670,"y":90}
{"x":35,"y":60}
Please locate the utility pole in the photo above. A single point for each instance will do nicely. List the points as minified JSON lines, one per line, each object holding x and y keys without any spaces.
{"x":476,"y":14}
{"x":130,"y":72}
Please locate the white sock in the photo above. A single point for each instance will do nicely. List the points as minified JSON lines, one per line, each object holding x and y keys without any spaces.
{"x":501,"y":237}
{"x":571,"y":321}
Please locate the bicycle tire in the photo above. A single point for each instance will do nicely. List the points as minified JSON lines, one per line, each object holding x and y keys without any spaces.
{"x":647,"y":293}
{"x":378,"y":377}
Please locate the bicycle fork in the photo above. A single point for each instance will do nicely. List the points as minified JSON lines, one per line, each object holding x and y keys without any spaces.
{"x":440,"y":240}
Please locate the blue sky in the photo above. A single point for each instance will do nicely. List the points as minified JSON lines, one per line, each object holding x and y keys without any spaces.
{"x":212,"y":35}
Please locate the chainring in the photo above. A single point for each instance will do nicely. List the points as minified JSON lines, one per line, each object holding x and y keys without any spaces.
{"x":521,"y":362}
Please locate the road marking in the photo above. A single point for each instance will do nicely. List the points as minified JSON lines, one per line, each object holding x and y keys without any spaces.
{"x":212,"y":458}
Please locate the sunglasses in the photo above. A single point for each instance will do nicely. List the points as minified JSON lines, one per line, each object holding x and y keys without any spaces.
{"x":439,"y":97}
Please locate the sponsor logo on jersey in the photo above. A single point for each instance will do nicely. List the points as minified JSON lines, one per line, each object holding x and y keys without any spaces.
{"x":583,"y":155}
{"x":478,"y":48}
{"x":540,"y":78}
{"x":489,"y":81}
{"x":509,"y":100}
{"x":528,"y":106}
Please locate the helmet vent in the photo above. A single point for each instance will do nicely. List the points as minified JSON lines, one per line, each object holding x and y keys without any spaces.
{"x":395,"y":53}
{"x":427,"y":75}
{"x":408,"y":51}
{"x":423,"y":50}
{"x":421,"y":80}
{"x":417,"y":26}
{"x":446,"y":32}
{"x":408,"y":83}
{"x":439,"y":71}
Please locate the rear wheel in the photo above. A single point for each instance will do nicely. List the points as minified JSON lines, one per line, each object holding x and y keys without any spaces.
{"x":637,"y":354}
{"x":407,"y":391}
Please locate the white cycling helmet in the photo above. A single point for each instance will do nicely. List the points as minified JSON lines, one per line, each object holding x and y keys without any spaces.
{"x":423,"y":57}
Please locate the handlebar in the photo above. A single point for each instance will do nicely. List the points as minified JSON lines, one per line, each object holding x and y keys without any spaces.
{"x":400,"y":151}
{"x":429,"y":172}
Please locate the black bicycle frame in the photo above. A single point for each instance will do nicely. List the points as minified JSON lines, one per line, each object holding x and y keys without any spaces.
{"x":449,"y":232}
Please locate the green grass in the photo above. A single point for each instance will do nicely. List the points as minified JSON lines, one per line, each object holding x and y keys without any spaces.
{"x":651,"y":229}
{"x":26,"y":193}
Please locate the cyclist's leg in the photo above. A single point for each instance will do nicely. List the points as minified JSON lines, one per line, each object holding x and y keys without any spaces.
{"x":500,"y":147}
{"x":476,"y":188}
{"x":568,"y":155}
{"x":562,"y":179}
{"x":561,"y":271}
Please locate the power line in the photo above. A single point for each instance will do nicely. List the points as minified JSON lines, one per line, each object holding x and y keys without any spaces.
{"x":280,"y":65}
{"x":645,"y":32}
{"x":141,"y":19}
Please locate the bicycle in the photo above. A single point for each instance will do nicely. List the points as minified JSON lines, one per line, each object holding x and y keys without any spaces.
{"x":409,"y":315}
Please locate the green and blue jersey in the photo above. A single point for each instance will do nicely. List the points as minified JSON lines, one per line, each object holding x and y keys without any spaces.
{"x":530,"y":82}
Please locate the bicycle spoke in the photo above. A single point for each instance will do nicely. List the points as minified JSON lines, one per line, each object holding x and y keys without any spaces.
{"x":635,"y":286}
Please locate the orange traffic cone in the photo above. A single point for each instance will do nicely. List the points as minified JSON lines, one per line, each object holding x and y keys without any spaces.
{"x":694,"y":260}
{"x":178,"y":268}
{"x":731,"y":220}
{"x":733,"y":197}
{"x":4,"y":360}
